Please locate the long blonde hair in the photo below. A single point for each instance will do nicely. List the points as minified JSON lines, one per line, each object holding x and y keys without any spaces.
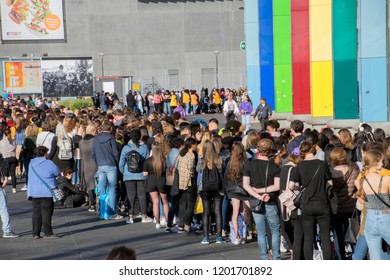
{"x":157,"y":159}
{"x":210,"y":157}
{"x":371,"y":158}
{"x":206,"y":136}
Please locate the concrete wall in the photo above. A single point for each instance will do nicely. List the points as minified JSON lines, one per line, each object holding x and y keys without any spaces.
{"x":149,"y":38}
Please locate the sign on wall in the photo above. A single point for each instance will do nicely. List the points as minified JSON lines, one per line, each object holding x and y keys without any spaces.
{"x":70,"y":77}
{"x":22,"y":76}
{"x":32,"y":20}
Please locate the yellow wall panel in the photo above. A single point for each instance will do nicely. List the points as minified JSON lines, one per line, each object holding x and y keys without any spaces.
{"x":320,"y":2}
{"x":321,"y":33}
{"x":321,"y":89}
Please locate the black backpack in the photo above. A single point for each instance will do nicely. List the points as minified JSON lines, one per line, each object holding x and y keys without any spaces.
{"x":211,"y":179}
{"x":135,"y":162}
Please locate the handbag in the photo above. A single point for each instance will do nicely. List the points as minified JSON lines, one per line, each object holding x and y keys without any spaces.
{"x":286,"y":198}
{"x":198,"y":209}
{"x":353,"y":228}
{"x":57,"y":193}
{"x":258,"y":206}
{"x":170,"y":173}
{"x":297,"y":199}
{"x":238,"y":189}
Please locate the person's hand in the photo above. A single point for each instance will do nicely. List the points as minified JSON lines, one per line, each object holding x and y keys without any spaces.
{"x":265,"y":197}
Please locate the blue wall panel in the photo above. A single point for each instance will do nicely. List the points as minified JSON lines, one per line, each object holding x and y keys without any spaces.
{"x":253,"y":83}
{"x":373,"y":28}
{"x":251,"y":10}
{"x":374,"y":103}
{"x":267,"y":52}
{"x":252,"y":44}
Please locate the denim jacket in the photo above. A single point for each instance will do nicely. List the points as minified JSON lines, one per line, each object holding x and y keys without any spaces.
{"x":143,"y":150}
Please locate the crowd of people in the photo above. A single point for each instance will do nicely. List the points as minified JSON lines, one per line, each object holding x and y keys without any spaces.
{"x":149,"y":163}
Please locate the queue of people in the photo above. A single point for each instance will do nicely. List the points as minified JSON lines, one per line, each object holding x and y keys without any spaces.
{"x":100,"y":157}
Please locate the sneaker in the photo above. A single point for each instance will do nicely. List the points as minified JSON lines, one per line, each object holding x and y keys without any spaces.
{"x":36,"y":237}
{"x":92,"y":209}
{"x":168,"y":229}
{"x":223,"y":233}
{"x":10,"y":234}
{"x":220,"y":240}
{"x":283,"y":245}
{"x":180,"y":230}
{"x":13,"y":190}
{"x":24,"y":188}
{"x":129,"y":220}
{"x":237,"y":241}
{"x":205,"y":241}
{"x":158,"y":226}
{"x":163,"y":223}
{"x":115,"y":217}
{"x":147,"y":219}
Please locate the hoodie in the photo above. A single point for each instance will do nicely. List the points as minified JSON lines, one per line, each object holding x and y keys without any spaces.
{"x":105,"y":150}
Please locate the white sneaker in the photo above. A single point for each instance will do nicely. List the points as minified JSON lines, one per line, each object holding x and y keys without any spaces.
{"x":163,"y":223}
{"x":147,"y":219}
{"x":283,"y":245}
{"x":158,"y":226}
{"x":24,"y":188}
{"x":129,"y":220}
{"x":13,"y":190}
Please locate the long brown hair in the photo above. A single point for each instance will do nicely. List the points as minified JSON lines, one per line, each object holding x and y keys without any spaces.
{"x":236,"y":162}
{"x":157,"y":159}
{"x":210,"y":157}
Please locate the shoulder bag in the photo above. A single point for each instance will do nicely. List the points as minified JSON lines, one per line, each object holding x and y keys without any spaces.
{"x":57,"y":193}
{"x":170,"y":172}
{"x":286,"y":199}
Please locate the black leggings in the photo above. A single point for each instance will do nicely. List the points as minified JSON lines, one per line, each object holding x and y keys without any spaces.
{"x":138,"y":188}
{"x":207,"y":198}
{"x":187,"y":204}
{"x":12,"y":162}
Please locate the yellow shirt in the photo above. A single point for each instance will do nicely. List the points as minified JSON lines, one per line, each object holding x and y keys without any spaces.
{"x":217,"y":98}
{"x":173,"y":100}
{"x":194,"y":100}
{"x":186,"y":98}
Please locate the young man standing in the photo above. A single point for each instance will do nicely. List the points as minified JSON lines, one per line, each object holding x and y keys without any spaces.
{"x":264,"y":113}
{"x":296,"y":131}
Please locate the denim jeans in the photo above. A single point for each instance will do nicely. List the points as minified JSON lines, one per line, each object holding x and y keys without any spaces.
{"x":194,"y":109}
{"x":272,"y":216}
{"x":107,"y":177}
{"x":377,"y":227}
{"x":4,"y":212}
{"x":225,"y":210}
{"x":246,"y":120}
{"x":167,"y":108}
{"x":187,"y":108}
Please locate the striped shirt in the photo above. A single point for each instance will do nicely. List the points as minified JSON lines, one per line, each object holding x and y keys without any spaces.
{"x":19,"y":137}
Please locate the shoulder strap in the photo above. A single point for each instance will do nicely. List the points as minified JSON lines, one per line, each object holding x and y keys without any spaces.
{"x":177,"y":157}
{"x":266,"y":176}
{"x":40,"y":178}
{"x":288,"y":176}
{"x":45,"y":138}
{"x":380,"y":198}
{"x":318,"y":168}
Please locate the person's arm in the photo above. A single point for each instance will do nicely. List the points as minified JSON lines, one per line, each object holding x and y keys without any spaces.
{"x":53,"y":148}
{"x":146,"y":169}
{"x":256,"y":112}
{"x":273,"y":188}
{"x":249,"y":189}
{"x":269,"y":111}
{"x":122,"y":160}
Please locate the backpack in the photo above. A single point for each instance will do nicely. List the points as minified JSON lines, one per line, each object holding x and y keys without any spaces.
{"x":211,"y":179}
{"x":135,"y":162}
{"x":65,"y":150}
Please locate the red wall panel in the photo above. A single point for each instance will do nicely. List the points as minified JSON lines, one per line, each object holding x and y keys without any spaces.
{"x":301,"y":88}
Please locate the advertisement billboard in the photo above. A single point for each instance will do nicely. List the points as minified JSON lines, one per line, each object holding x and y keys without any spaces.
{"x":22,"y":76}
{"x":68,"y":77}
{"x":32,"y":20}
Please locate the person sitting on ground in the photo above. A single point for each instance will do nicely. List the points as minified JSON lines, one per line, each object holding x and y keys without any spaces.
{"x":73,"y":196}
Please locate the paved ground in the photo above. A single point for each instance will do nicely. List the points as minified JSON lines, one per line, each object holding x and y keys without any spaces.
{"x":84,"y":236}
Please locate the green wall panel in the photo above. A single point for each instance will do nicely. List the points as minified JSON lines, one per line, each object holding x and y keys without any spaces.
{"x":282,"y":39}
{"x":281,"y":7}
{"x":283,"y":88}
{"x":344,"y":29}
{"x":346,"y":96}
